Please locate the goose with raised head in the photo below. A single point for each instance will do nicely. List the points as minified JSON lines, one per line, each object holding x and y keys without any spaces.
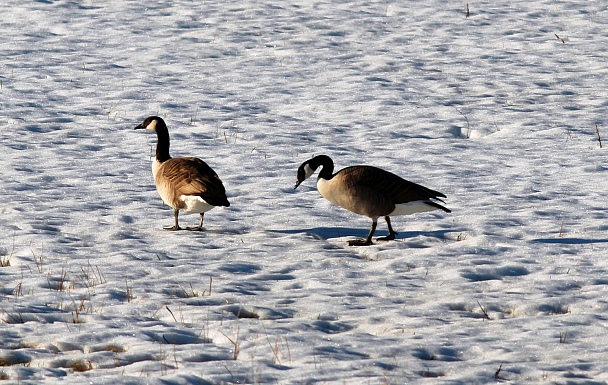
{"x":370,"y":191}
{"x":185,"y":183}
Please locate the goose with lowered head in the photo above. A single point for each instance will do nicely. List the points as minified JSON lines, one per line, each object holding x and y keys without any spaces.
{"x":370,"y":191}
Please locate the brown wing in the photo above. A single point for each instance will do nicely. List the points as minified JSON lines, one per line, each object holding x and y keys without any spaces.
{"x":192,"y":176}
{"x":392,"y":187}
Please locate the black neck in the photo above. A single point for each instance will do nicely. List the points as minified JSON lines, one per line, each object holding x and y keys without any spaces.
{"x":162,"y":144}
{"x":323,"y":161}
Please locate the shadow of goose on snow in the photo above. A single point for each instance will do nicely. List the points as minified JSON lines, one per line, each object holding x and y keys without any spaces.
{"x":326,"y":233}
{"x":570,"y":241}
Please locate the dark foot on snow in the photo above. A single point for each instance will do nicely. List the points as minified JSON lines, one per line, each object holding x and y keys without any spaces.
{"x":390,"y":237}
{"x":360,"y":242}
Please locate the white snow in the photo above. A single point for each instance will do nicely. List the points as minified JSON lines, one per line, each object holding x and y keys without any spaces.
{"x":497,"y":110}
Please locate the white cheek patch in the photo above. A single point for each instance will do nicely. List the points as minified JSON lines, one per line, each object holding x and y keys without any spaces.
{"x":152,"y":126}
{"x":308,"y":171}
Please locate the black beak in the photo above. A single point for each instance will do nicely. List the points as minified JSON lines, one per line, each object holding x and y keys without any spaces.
{"x":297,"y":184}
{"x":139,"y":127}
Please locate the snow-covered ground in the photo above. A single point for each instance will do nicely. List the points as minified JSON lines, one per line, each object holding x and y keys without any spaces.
{"x":497,"y":110}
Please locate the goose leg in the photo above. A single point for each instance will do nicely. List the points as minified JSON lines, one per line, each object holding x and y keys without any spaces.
{"x":200,"y":225}
{"x":391,"y":232}
{"x":368,"y":240}
{"x":176,"y":226}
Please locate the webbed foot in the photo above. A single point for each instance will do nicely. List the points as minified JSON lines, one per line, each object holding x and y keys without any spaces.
{"x":360,"y":242}
{"x":389,"y":237}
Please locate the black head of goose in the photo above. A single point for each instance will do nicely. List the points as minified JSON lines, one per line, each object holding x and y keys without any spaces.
{"x":370,"y":191}
{"x":185,"y":183}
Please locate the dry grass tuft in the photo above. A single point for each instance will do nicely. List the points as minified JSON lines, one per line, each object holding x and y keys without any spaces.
{"x":81,"y":366}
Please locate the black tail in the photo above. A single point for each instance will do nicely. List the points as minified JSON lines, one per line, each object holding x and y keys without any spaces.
{"x":435,"y":204}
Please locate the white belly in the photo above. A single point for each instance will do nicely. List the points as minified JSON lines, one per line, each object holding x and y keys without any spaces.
{"x":195,"y":204}
{"x":412,"y":208}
